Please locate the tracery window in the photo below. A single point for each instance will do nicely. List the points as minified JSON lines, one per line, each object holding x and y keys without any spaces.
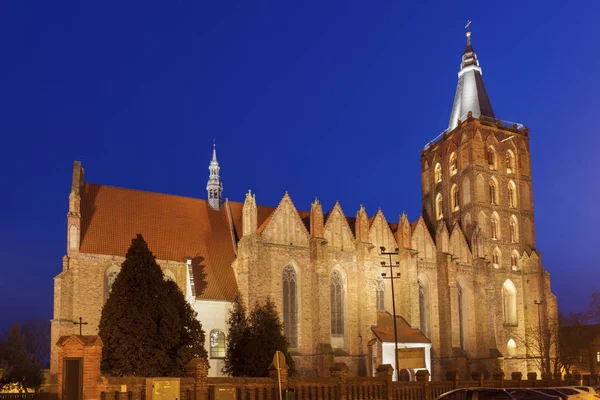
{"x":439,"y":213}
{"x":509,"y":303}
{"x":455,"y":198}
{"x":380,"y":293}
{"x":290,"y":306}
{"x":453,"y":166}
{"x":437,"y":172}
{"x":217,"y":344}
{"x":337,"y":306}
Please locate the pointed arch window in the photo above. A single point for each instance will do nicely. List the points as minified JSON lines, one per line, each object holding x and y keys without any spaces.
{"x":439,"y":213}
{"x":491,"y":157}
{"x":512,"y":195}
{"x":380,"y":293}
{"x":453,"y":164}
{"x":496,"y":257}
{"x":290,"y":305}
{"x":337,"y":307}
{"x":494,"y":227}
{"x":423,"y":306}
{"x":510,"y":162}
{"x":455,"y":198}
{"x":514,"y":231}
{"x":110,"y":275}
{"x":509,"y":303}
{"x":511,"y":348}
{"x":493,"y":193}
{"x":437,"y":172}
{"x":461,"y":316}
{"x":514,"y":260}
{"x":217,"y":344}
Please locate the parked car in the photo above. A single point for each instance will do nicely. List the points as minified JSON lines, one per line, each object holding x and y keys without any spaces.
{"x":477,"y":394}
{"x":552,"y":392}
{"x":528,"y":394}
{"x":588,"y":389}
{"x":575,"y":394}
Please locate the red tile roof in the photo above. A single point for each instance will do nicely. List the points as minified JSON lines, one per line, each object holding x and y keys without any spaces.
{"x":385,"y":330}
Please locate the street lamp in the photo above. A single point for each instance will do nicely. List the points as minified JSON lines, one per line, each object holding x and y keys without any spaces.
{"x":391,"y":278}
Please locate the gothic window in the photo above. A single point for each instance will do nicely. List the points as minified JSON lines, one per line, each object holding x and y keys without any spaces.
{"x":437,"y":171}
{"x":380,"y":293}
{"x":493,"y":193}
{"x":461,"y":316}
{"x":514,"y":260}
{"x":494,"y":227}
{"x":598,"y":357}
{"x":509,"y":303}
{"x":168,"y":275}
{"x":491,"y":157}
{"x":337,"y":306}
{"x":109,"y":279}
{"x":217,"y":344}
{"x":496,"y":257}
{"x":510,"y":162}
{"x":514,"y":232}
{"x":511,"y":348}
{"x":455,"y":198}
{"x":453,"y":167}
{"x":512,"y":195}
{"x":290,"y":306}
{"x":423,"y":304}
{"x":439,"y":213}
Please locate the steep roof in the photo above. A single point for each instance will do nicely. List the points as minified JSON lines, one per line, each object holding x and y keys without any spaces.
{"x":385,"y":330}
{"x":175,"y":228}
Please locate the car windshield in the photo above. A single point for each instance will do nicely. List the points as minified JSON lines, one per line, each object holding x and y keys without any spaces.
{"x":585,"y":389}
{"x":568,"y":391}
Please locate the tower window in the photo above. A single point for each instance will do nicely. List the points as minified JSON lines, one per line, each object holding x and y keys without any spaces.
{"x":439,"y":214}
{"x":513,"y":230}
{"x":455,"y":198}
{"x":493,"y":193}
{"x":491,"y":158}
{"x":453,"y":167}
{"x":514,"y":261}
{"x":509,"y":303}
{"x":494,"y":227}
{"x":511,"y":348}
{"x":512,"y":195}
{"x":510,"y":162}
{"x":437,"y":172}
{"x":496,"y":258}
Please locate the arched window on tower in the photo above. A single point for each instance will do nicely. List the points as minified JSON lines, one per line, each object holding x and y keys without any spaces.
{"x":510,"y":162}
{"x":217,"y":344}
{"x":511,"y":349}
{"x":110,"y":275}
{"x":423,"y":307}
{"x":493,"y":193}
{"x":512,"y":195}
{"x":290,"y":306}
{"x":496,"y":257}
{"x":453,"y":164}
{"x":455,"y":198}
{"x":509,"y":303}
{"x":461,"y":316}
{"x":491,"y":157}
{"x":380,"y":293}
{"x":439,"y":213}
{"x":437,"y":172}
{"x":514,"y":260}
{"x":337,"y":305}
{"x":514,"y":229}
{"x":494,"y":225}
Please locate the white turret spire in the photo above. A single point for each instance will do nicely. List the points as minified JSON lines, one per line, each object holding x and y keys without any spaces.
{"x":470,"y":91}
{"x":214,"y":187}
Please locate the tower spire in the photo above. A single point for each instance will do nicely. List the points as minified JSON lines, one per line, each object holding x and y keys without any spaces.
{"x":214,"y":187}
{"x":470,"y":91}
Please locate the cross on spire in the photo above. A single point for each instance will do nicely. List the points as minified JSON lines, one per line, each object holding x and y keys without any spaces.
{"x":80,"y":323}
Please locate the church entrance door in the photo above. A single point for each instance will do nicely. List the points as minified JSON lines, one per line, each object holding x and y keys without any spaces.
{"x":73,"y":385}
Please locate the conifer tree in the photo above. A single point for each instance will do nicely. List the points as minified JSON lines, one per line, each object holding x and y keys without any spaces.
{"x":146,"y":325}
{"x":237,"y":335}
{"x":19,"y":366}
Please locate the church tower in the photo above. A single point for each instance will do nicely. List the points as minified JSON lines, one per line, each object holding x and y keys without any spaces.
{"x":477,"y":174}
{"x":214,"y":187}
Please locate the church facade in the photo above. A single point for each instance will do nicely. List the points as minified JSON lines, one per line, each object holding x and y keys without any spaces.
{"x":469,"y":286}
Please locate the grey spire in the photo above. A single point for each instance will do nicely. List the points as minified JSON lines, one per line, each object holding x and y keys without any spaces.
{"x":214,"y":187}
{"x":470,"y":91}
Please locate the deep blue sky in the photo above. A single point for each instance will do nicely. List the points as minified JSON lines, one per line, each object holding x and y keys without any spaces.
{"x":320,"y":98}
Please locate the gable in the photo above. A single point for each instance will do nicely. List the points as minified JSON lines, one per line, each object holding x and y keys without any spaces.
{"x":337,"y":231}
{"x":422,"y":241}
{"x":380,"y":233}
{"x":285,"y":226}
{"x":458,"y":245}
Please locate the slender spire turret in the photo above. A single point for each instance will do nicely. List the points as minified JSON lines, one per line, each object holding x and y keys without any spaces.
{"x":470,"y":91}
{"x":214,"y":187}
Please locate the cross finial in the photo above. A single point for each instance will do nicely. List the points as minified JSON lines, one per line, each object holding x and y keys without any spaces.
{"x":80,"y":323}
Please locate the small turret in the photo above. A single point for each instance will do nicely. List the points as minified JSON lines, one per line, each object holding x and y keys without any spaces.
{"x":249,"y":215}
{"x":214,"y":187}
{"x":316,"y":219}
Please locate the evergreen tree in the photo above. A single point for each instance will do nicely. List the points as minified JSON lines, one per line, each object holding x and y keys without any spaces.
{"x":146,"y":325}
{"x":19,"y":366}
{"x":235,"y":357}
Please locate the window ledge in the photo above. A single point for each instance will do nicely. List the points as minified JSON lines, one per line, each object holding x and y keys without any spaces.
{"x":510,"y":325}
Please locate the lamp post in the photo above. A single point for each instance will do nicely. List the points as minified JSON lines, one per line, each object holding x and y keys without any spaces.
{"x":391,"y":266}
{"x":538,"y":303}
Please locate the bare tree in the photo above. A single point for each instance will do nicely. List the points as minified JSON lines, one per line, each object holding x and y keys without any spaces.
{"x":36,"y":334}
{"x":543,"y":346}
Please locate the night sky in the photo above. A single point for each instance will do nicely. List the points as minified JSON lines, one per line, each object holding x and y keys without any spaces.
{"x":320,"y":98}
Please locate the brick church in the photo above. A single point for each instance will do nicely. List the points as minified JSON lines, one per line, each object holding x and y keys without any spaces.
{"x":471,"y":285}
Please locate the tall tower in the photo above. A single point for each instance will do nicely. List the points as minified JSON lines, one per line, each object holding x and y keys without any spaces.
{"x":214,"y":187}
{"x":477,"y":174}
